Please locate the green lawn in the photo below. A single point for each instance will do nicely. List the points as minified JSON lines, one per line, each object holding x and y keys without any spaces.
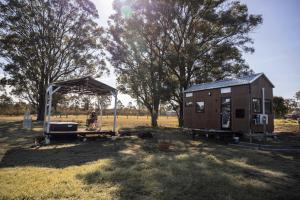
{"x":132,"y":168}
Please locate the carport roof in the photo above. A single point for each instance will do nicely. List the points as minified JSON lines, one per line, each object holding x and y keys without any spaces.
{"x":84,"y":85}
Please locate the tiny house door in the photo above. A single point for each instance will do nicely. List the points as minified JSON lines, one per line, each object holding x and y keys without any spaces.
{"x":225,"y":112}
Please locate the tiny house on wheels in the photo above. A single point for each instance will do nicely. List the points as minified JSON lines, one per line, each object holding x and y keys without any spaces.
{"x":240,"y":105}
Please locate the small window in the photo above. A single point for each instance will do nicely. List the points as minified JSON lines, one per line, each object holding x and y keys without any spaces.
{"x":188,"y":104}
{"x":240,"y":113}
{"x":200,"y":107}
{"x":190,"y":94}
{"x":256,"y":104}
{"x":268,"y":106}
{"x":225,"y":90}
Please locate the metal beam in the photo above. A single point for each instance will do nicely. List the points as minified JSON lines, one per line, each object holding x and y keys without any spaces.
{"x":115,"y":94}
{"x":49,"y":108}
{"x":45,"y":111}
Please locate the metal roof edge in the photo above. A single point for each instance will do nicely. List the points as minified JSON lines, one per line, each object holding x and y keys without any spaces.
{"x":185,"y":91}
{"x":257,"y":76}
{"x":262,"y":74}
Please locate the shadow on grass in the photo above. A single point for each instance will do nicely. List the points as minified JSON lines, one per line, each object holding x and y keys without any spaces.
{"x":210,"y":172}
{"x":61,"y":154}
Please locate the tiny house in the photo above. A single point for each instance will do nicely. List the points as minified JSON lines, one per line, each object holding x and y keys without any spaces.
{"x":240,"y":105}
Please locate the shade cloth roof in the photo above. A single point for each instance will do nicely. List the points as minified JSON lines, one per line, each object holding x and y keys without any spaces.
{"x":84,"y":85}
{"x":243,"y":80}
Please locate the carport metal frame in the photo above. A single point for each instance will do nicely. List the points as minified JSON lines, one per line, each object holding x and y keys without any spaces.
{"x":80,"y":84}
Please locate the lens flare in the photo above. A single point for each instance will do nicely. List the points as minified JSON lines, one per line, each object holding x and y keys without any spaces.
{"x":126,"y":11}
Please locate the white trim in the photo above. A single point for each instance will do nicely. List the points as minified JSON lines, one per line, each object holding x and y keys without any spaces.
{"x":115,"y":94}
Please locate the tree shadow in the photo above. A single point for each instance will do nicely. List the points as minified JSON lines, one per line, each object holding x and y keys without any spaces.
{"x":61,"y":154}
{"x":205,"y":173}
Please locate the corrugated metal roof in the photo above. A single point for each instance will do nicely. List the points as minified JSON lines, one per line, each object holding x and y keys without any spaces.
{"x":84,"y":85}
{"x":225,"y":83}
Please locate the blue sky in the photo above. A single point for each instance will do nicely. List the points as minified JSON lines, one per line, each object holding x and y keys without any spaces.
{"x":276,"y":43}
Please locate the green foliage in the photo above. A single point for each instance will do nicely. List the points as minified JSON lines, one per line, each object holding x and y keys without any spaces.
{"x":291,"y":104}
{"x":9,"y":107}
{"x":137,"y":47}
{"x":44,"y":41}
{"x":297,"y":95}
{"x":279,"y":107}
{"x":165,"y":46}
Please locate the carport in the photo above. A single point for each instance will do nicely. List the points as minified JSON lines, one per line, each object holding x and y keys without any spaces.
{"x":83,"y":86}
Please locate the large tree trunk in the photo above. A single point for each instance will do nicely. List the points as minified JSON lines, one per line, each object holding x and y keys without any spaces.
{"x":41,"y":103}
{"x":180,"y":116}
{"x":41,"y":108}
{"x":154,"y":116}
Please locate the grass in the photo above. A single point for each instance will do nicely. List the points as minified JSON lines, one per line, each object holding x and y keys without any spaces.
{"x":132,"y":168}
{"x":287,"y":125}
{"x":122,"y":121}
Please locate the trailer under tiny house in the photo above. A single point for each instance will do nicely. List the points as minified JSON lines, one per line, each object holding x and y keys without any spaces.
{"x":234,"y":105}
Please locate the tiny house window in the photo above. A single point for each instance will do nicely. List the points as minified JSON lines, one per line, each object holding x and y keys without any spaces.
{"x":190,"y":94}
{"x":200,"y":106}
{"x":240,"y":113}
{"x":256,"y":104}
{"x":225,"y":90}
{"x":188,"y":104}
{"x":268,"y":106}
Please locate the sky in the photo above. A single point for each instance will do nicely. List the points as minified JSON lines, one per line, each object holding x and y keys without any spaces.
{"x":276,"y":43}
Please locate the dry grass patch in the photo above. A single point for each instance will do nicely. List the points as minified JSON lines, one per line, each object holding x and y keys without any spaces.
{"x":122,"y":121}
{"x":287,"y":126}
{"x":131,"y":168}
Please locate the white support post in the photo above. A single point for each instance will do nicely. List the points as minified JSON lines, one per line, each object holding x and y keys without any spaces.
{"x":45,"y":112}
{"x":115,"y":111}
{"x":49,"y":108}
{"x":263,"y":101}
{"x":101,"y":113}
{"x":264,"y":112}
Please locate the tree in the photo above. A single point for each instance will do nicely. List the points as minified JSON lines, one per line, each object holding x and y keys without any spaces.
{"x":137,"y":47}
{"x":297,"y":95}
{"x":6,"y":104}
{"x":42,"y":41}
{"x":279,"y":107}
{"x":291,"y":104}
{"x":57,"y":99}
{"x":86,"y":102}
{"x":103,"y":103}
{"x":181,"y":42}
{"x":120,"y":106}
{"x":206,"y":42}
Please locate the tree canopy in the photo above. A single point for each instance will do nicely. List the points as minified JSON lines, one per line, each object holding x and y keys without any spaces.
{"x":279,"y":106}
{"x":159,"y":48}
{"x":42,"y":41}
